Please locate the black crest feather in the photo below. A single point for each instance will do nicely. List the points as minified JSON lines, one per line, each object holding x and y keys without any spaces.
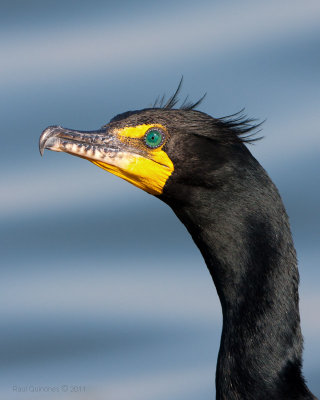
{"x":174,"y":100}
{"x":243,"y":128}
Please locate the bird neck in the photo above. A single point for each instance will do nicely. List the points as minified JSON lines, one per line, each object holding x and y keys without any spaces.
{"x":245,"y":239}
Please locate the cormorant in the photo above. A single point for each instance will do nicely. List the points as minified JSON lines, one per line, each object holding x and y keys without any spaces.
{"x":200,"y":167}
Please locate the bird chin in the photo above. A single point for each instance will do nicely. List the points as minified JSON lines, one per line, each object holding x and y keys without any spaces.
{"x":142,"y":172}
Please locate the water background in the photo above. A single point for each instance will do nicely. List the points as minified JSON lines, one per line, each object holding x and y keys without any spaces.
{"x":103,"y":293}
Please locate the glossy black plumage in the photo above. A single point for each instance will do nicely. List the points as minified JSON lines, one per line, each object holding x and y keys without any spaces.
{"x":235,"y":216}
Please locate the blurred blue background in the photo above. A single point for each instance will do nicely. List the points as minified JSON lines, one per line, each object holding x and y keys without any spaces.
{"x":101,"y":287}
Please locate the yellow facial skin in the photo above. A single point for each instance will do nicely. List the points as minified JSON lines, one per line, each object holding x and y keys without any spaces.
{"x":149,"y":172}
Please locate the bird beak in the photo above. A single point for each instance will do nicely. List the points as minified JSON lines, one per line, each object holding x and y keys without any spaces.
{"x":93,"y":145}
{"x":107,"y":148}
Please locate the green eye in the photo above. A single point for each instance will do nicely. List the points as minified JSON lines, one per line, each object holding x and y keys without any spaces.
{"x":154,"y":138}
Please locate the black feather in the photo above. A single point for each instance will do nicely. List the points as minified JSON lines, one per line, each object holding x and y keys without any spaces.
{"x":174,"y":100}
{"x":240,"y":127}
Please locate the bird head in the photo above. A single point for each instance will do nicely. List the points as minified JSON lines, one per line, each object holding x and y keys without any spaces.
{"x":159,"y":150}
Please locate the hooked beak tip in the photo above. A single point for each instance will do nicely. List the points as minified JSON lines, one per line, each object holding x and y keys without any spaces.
{"x":45,"y":135}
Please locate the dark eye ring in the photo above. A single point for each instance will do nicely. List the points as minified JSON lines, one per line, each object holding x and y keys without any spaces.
{"x":154,"y":138}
